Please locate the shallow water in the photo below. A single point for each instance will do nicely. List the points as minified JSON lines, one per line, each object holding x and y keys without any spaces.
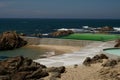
{"x":113,"y":51}
{"x":29,"y":52}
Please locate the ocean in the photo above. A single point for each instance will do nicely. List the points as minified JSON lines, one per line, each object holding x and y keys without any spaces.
{"x":30,"y":26}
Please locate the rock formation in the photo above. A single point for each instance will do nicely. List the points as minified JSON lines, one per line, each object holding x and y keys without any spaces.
{"x":97,"y":58}
{"x":107,"y":28}
{"x":20,"y":68}
{"x":61,"y":33}
{"x":110,"y":68}
{"x":118,"y":43}
{"x":10,"y":40}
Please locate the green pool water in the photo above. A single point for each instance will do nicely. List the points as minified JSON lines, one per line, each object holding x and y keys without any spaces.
{"x":114,"y":51}
{"x":29,"y":52}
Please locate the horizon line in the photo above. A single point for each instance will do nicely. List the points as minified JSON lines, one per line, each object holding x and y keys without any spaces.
{"x":59,"y":18}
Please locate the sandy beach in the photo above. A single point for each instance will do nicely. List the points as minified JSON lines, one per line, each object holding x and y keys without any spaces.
{"x":81,"y":72}
{"x":64,"y":49}
{"x":105,"y":69}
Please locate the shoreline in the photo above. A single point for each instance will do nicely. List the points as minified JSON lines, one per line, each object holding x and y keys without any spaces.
{"x":76,"y":57}
{"x":55,"y":50}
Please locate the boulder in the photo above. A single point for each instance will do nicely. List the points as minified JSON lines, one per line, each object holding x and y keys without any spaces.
{"x":19,"y":76}
{"x":39,"y":73}
{"x":56,"y":69}
{"x":3,"y":71}
{"x":28,"y":68}
{"x":118,"y":43}
{"x":95,"y":59}
{"x":110,"y":63}
{"x":103,"y":56}
{"x":11,"y":40}
{"x":20,"y":68}
{"x":61,"y":33}
{"x":56,"y":74}
{"x":87,"y":61}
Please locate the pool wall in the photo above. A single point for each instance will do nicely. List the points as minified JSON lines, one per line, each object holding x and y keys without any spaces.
{"x":54,"y":41}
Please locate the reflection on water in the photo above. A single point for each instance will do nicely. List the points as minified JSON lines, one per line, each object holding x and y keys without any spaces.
{"x":30,"y":52}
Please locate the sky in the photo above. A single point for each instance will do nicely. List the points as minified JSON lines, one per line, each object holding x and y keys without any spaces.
{"x":98,"y":9}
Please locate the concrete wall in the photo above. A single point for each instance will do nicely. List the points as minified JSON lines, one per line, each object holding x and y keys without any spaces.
{"x":54,"y":41}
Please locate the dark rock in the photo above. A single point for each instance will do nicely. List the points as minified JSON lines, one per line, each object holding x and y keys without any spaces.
{"x":38,"y":74}
{"x":87,"y":61}
{"x":56,"y":74}
{"x":61,"y":33}
{"x":27,"y":62}
{"x":76,"y":65}
{"x":98,"y":58}
{"x":20,"y":68}
{"x":38,"y":65}
{"x":95,"y":59}
{"x":103,"y":56}
{"x":15,"y":63}
{"x":118,"y":43}
{"x":10,"y":40}
{"x":3,"y":71}
{"x":110,"y":63}
{"x":56,"y":69}
{"x":5,"y":77}
{"x":28,"y":68}
{"x":19,"y":76}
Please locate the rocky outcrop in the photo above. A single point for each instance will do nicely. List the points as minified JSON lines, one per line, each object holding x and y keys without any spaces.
{"x":109,"y":68}
{"x":11,"y":40}
{"x":20,"y":68}
{"x":61,"y":33}
{"x":118,"y":43}
{"x":97,"y":58}
{"x":107,"y":28}
{"x":109,"y":63}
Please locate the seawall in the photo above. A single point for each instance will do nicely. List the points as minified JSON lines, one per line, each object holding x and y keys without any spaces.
{"x":55,"y":41}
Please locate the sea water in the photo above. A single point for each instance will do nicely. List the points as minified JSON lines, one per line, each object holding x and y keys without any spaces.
{"x":30,"y":52}
{"x":30,"y":26}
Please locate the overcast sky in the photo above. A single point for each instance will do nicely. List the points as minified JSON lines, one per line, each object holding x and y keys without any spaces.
{"x":60,"y":9}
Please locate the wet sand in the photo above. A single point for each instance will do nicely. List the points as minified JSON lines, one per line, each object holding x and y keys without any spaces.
{"x":57,"y":48}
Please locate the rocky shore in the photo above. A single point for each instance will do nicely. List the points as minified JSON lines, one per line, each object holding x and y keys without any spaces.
{"x":20,"y":68}
{"x":99,"y":67}
{"x":11,"y":40}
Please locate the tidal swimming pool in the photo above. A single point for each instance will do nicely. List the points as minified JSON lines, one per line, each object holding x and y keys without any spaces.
{"x":114,"y":51}
{"x":30,"y":52}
